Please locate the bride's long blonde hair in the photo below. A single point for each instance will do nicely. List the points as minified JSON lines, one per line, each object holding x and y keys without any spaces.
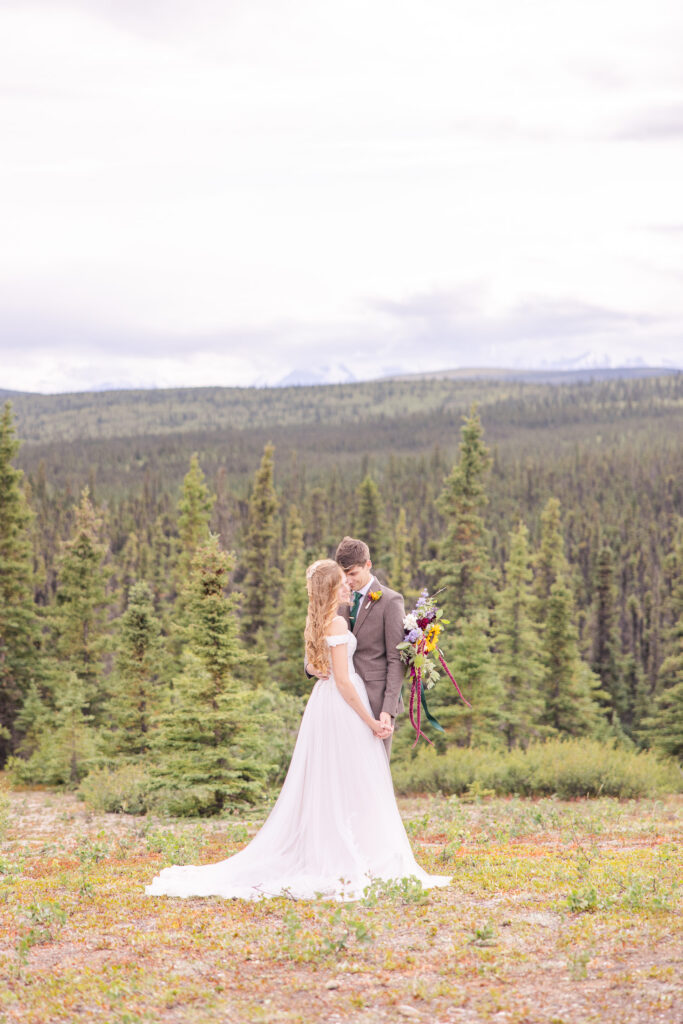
{"x":323,"y":579}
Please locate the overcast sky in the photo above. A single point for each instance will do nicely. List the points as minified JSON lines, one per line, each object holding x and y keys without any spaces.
{"x":223,"y":192}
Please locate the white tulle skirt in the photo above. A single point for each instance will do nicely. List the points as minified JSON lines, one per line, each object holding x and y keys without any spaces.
{"x":334,"y":828}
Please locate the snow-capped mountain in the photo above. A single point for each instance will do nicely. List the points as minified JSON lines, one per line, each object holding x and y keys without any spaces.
{"x":333,"y":373}
{"x":590,"y":361}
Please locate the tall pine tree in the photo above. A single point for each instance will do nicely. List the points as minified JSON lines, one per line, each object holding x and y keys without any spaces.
{"x":137,"y":678}
{"x":63,"y":745}
{"x":262,"y":581}
{"x":605,"y":660}
{"x":569,"y":686}
{"x":369,"y":519}
{"x":292,"y":613}
{"x":472,"y":664}
{"x":19,"y":631}
{"x":194,"y":513}
{"x":79,"y":617}
{"x":518,"y":654}
{"x":662,"y":728}
{"x":550,"y":562}
{"x":463,"y":567}
{"x":400,"y":559}
{"x":210,"y":748}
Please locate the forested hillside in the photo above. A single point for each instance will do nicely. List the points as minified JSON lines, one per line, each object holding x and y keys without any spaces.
{"x":566,"y":500}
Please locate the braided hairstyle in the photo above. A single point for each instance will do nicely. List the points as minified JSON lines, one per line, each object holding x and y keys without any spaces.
{"x":323,"y":579}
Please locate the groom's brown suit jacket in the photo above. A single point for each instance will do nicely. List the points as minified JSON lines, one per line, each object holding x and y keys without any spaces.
{"x":378,"y":629}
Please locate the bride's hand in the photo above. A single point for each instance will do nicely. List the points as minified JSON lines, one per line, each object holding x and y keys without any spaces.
{"x":379,"y":729}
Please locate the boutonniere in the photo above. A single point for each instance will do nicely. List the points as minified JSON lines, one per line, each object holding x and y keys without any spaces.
{"x":374,"y":595}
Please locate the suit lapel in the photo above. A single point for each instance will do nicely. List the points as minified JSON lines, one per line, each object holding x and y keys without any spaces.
{"x":365,"y":606}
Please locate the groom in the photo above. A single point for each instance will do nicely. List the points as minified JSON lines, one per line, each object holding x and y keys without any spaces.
{"x":375,"y":617}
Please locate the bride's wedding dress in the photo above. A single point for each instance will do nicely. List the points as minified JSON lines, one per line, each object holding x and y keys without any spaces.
{"x":335,"y":826}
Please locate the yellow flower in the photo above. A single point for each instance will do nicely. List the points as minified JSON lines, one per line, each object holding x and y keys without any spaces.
{"x":375,"y":595}
{"x":432,"y":636}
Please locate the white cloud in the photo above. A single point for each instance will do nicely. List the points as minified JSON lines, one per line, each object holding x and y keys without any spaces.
{"x":283,"y":173}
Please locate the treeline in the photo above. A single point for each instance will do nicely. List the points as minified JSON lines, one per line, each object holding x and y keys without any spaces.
{"x":133,"y":647}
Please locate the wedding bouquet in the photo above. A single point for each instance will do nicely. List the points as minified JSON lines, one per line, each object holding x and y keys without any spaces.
{"x":420,"y":653}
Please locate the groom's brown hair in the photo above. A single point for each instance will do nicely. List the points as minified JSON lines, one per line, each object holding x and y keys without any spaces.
{"x":352,"y":552}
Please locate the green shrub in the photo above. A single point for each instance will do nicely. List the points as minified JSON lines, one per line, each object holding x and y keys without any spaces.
{"x":564,"y":768}
{"x":119,"y":789}
{"x":4,"y":809}
{"x":176,"y":847}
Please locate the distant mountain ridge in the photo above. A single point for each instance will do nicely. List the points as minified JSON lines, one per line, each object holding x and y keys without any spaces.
{"x":339,"y":374}
{"x":544,"y":376}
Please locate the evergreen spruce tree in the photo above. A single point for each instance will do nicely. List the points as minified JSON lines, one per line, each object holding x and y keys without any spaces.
{"x":517,"y":644}
{"x":463,"y":566}
{"x":662,"y":728}
{"x":128,"y":566}
{"x":66,"y":748}
{"x":262,"y":581}
{"x":79,"y":616}
{"x":400,"y":566}
{"x":550,"y":562}
{"x":210,"y":747}
{"x":136,"y":679}
{"x":161,"y":559}
{"x":369,"y":519}
{"x":317,"y":520}
{"x":19,"y":631}
{"x":33,"y":720}
{"x":472,"y":664}
{"x":569,"y":686}
{"x":605,"y":660}
{"x":194,"y":513}
{"x":292,"y":614}
{"x":414,"y":552}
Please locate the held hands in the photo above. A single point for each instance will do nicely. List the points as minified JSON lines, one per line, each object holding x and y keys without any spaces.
{"x":384,"y":727}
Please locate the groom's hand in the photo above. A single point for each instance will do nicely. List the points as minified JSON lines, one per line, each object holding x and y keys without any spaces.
{"x":385,"y":719}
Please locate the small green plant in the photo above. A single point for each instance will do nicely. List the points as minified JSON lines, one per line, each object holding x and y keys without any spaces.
{"x":44,"y":922}
{"x":235,"y":833}
{"x":583,"y":899}
{"x":403,"y":890}
{"x":4,"y":809}
{"x":92,"y":852}
{"x":341,"y":927}
{"x":291,"y":927}
{"x":476,"y":792}
{"x":483,"y":935}
{"x":86,"y":889}
{"x":578,"y":964}
{"x":416,"y":825}
{"x":176,"y":847}
{"x":335,"y":926}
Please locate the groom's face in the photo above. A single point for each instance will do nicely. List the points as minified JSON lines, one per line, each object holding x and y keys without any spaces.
{"x":358,"y":575}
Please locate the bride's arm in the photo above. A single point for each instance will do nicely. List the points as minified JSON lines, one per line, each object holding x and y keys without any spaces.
{"x":340,"y":667}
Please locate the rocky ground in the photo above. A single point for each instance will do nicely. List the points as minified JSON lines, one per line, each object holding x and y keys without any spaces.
{"x":561,"y":913}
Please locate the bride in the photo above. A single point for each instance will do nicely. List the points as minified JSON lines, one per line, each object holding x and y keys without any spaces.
{"x":335,"y":826}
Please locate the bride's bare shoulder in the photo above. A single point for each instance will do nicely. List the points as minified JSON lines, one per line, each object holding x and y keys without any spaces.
{"x":338,"y":626}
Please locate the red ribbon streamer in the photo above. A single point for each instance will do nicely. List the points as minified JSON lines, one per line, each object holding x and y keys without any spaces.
{"x":416,"y":689}
{"x":448,"y":673}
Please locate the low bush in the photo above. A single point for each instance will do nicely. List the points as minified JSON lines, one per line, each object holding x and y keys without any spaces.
{"x":564,"y":768}
{"x":125,"y":788}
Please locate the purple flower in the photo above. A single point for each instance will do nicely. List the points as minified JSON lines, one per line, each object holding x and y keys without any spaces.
{"x":414,"y":635}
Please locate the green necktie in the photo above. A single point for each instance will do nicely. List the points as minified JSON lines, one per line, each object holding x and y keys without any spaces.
{"x":354,"y":607}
